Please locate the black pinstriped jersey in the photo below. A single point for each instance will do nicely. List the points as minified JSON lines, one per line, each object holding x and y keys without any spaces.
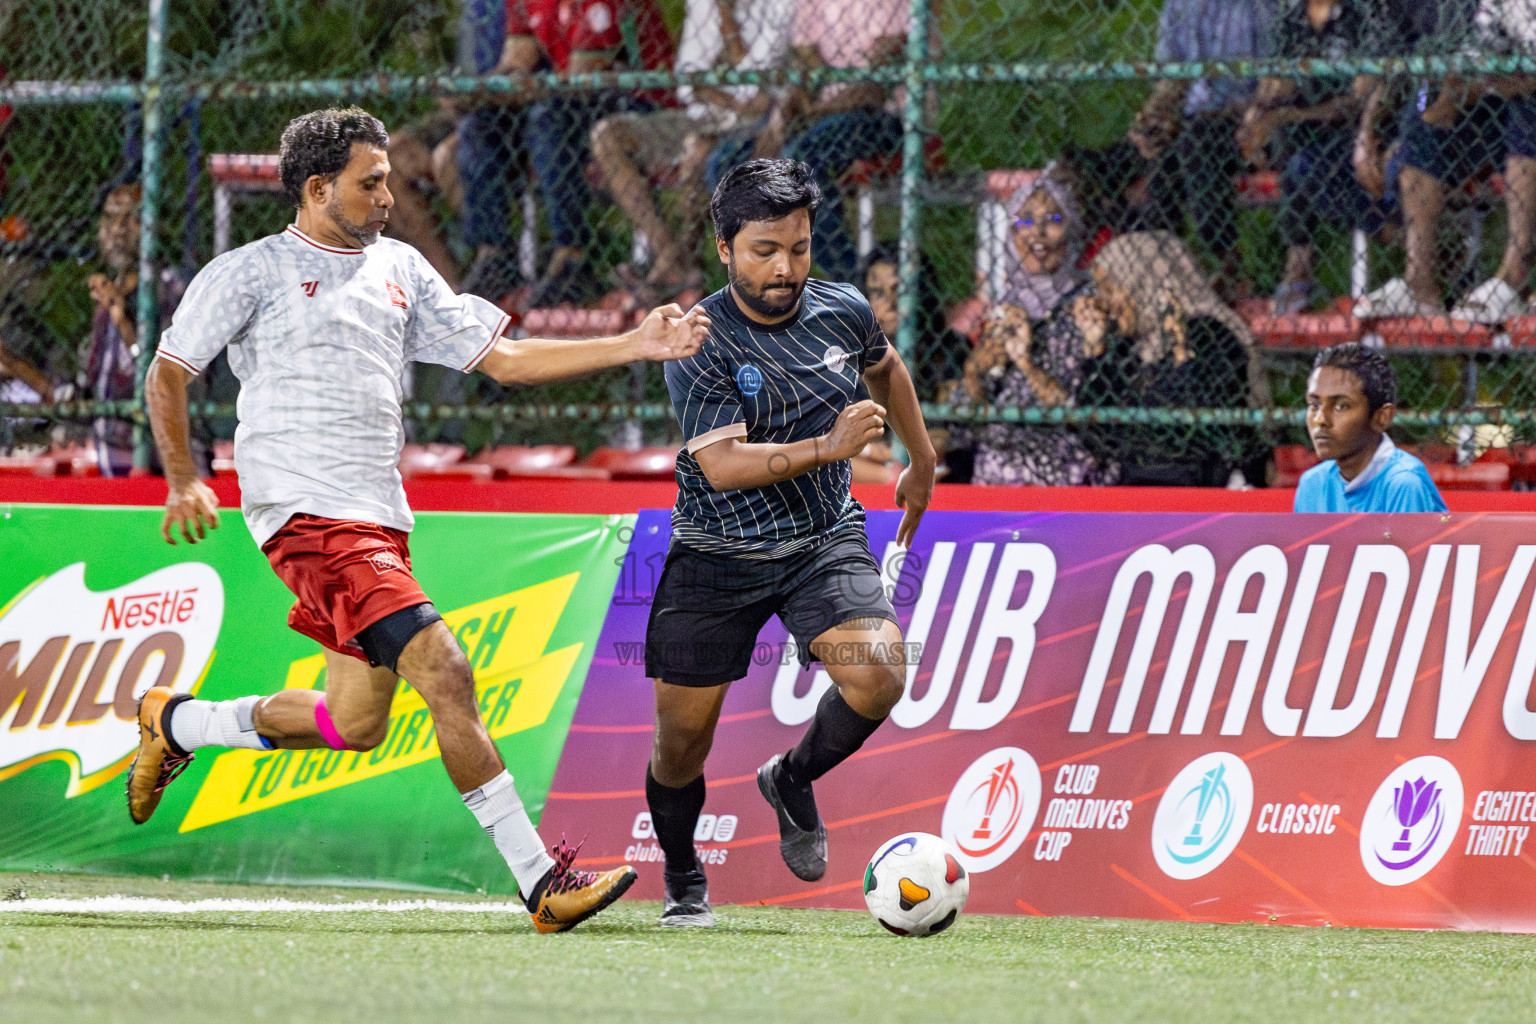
{"x":771,"y":384}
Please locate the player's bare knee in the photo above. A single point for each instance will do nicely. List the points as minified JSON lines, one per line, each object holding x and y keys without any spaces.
{"x":363,"y":733}
{"x":679,"y":754}
{"x":889,"y":683}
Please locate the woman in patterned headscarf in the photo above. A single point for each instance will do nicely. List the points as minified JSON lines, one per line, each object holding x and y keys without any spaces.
{"x":1172,"y":343}
{"x":1037,"y":345}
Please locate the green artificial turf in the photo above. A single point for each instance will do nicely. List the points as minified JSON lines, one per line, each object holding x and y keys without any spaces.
{"x":760,"y":964}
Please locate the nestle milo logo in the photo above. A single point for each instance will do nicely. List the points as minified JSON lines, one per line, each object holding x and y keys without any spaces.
{"x":74,"y":663}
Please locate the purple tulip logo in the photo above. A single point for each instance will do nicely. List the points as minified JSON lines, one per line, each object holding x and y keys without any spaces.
{"x":1413,"y":804}
{"x":1412,"y":820}
{"x":1411,"y":801}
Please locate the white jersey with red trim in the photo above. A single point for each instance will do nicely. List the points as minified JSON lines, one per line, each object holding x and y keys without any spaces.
{"x":320,"y":338}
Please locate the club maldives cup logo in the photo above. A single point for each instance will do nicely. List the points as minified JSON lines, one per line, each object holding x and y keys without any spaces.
{"x":1411,"y":821}
{"x":992,"y":807}
{"x":74,"y":663}
{"x":1202,"y":815}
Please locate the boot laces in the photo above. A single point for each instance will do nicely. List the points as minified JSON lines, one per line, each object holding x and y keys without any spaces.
{"x":171,"y":767}
{"x":563,"y":877}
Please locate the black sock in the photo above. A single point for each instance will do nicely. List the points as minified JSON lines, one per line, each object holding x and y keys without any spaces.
{"x":674,"y":816}
{"x":835,"y":734}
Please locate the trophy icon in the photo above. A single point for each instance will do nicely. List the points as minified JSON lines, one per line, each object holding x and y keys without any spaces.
{"x":1411,"y":802}
{"x":1209,"y":784}
{"x":1001,"y":776}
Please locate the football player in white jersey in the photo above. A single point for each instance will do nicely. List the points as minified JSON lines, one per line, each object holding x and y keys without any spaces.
{"x":321,"y":321}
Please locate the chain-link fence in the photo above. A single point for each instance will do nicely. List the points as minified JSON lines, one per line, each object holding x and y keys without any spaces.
{"x":1108,"y":235}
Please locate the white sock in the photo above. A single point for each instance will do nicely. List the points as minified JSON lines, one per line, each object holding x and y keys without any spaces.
{"x":223,"y":723}
{"x":500,"y":812}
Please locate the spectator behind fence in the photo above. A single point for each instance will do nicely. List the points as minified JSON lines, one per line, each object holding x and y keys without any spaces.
{"x":1036,"y":346}
{"x":939,"y":353}
{"x":633,"y":147}
{"x":109,"y":364}
{"x":847,"y":122}
{"x":1466,"y":127}
{"x":531,"y":126}
{"x":1185,"y":131}
{"x":108,"y":367}
{"x":424,"y":157}
{"x":1315,"y":118}
{"x":1351,"y":399}
{"x":579,"y":38}
{"x":1172,"y":343}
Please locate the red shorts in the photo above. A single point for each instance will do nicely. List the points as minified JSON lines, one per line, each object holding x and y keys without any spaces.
{"x":346,"y":575}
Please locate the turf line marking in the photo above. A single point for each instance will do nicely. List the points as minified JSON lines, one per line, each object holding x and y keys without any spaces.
{"x":146,"y":905}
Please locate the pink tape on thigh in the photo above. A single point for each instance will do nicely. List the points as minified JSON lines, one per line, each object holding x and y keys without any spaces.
{"x":328,"y":728}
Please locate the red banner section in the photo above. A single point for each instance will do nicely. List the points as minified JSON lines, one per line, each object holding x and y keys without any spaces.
{"x":593,"y":497}
{"x":1303,"y":719}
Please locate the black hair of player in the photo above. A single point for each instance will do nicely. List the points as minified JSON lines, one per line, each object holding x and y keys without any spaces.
{"x":321,"y":143}
{"x":762,"y":190}
{"x":1370,"y":368}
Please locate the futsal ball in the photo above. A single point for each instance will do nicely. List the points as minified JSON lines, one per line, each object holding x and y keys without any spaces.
{"x":914,"y":885}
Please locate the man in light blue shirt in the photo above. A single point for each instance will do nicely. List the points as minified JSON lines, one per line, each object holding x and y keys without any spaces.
{"x":1351,"y":399}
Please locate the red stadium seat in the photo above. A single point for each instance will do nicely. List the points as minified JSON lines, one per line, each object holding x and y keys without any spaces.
{"x":1433,"y":454}
{"x":634,"y":464}
{"x":1292,"y":460}
{"x":1305,"y":330}
{"x":1432,"y":332}
{"x":525,"y":460}
{"x":1521,"y":460}
{"x":223,"y":458}
{"x":1521,"y":332}
{"x":549,"y":461}
{"x":1479,"y":476}
{"x":26,"y":465}
{"x":421,"y":459}
{"x":467,"y":472}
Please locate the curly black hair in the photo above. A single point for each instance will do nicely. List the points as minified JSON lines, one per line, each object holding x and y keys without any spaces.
{"x":321,"y":143}
{"x":1371,"y":368}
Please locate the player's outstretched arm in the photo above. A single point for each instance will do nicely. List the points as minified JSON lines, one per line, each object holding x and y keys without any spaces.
{"x":191,"y":504}
{"x":891,"y":385}
{"x":666,"y":333}
{"x":734,"y":465}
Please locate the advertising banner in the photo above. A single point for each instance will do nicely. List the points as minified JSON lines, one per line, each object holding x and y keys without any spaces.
{"x":95,"y":608}
{"x":1273,"y":718}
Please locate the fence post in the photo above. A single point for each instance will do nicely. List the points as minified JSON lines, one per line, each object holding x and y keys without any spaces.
{"x":912,"y":176}
{"x":911,"y":185}
{"x":149,"y":220}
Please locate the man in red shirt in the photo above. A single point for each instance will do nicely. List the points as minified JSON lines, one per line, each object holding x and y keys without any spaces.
{"x":570,"y":37}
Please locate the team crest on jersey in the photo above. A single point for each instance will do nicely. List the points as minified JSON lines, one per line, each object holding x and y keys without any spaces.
{"x":749,"y":379}
{"x":396,"y":294}
{"x":310,"y":287}
{"x":384,"y":561}
{"x":835,"y":358}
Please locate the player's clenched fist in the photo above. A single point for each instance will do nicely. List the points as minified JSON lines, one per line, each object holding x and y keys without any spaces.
{"x":194,"y":507}
{"x":856,"y":426}
{"x":669,"y":333}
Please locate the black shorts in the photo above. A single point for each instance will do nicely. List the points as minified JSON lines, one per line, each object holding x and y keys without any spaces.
{"x":708,"y":608}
